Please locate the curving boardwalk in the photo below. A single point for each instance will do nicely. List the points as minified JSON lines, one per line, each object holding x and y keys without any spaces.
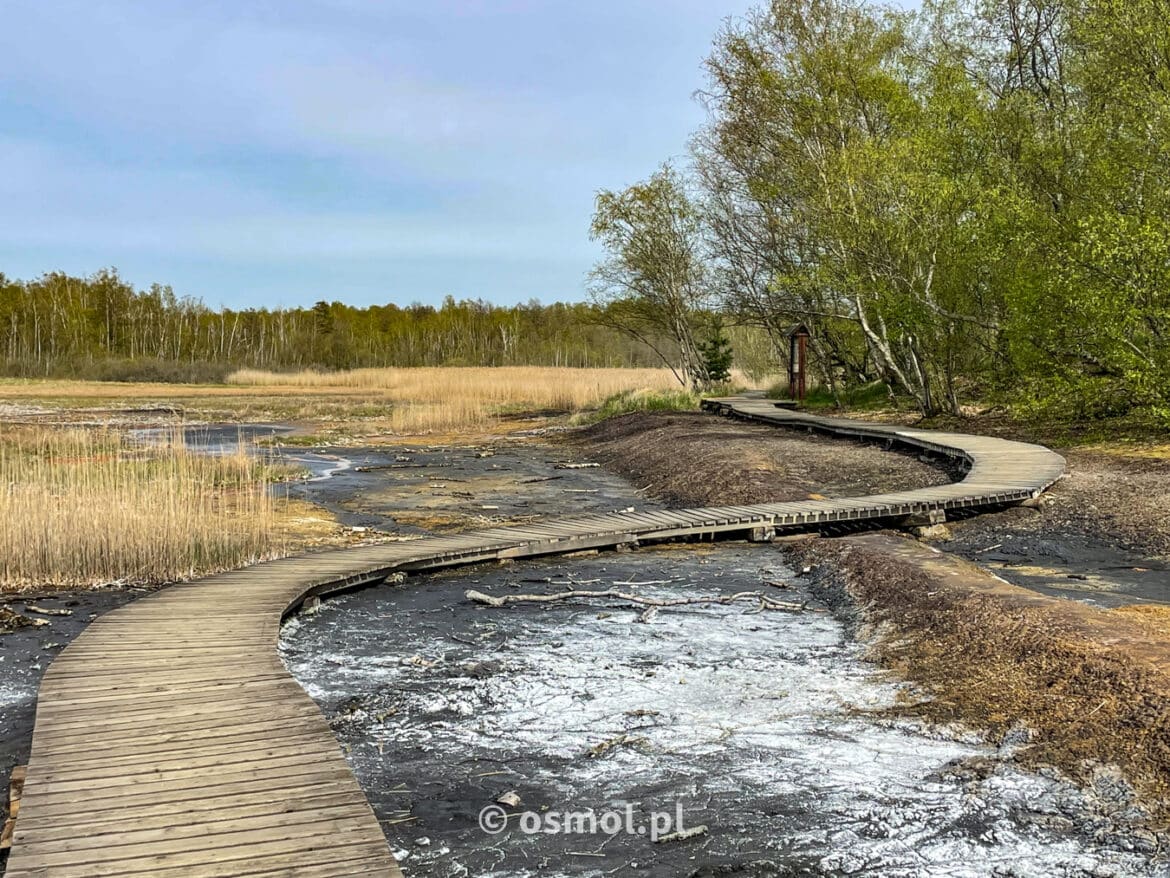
{"x":170,"y":741}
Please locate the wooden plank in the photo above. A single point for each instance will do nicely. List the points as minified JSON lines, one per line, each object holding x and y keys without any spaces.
{"x":180,"y":814}
{"x":15,"y":789}
{"x":283,"y":795}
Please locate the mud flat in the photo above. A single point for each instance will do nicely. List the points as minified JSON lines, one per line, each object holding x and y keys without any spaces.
{"x":1101,"y":536}
{"x":771,"y":729}
{"x":412,"y":490}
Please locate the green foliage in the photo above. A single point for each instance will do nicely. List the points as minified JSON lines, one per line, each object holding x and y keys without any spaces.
{"x":966,"y":201}
{"x":653,"y":278}
{"x":643,"y":401}
{"x":866,"y":397}
{"x":716,"y":353}
{"x":875,"y":395}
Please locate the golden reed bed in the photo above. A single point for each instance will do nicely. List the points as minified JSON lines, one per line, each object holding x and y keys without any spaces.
{"x":447,"y":398}
{"x":88,"y":506}
{"x":450,"y":397}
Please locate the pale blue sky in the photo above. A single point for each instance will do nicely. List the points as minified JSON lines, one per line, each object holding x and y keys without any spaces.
{"x":275,"y":152}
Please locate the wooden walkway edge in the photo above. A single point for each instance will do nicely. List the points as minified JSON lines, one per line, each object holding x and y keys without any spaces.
{"x":170,"y":740}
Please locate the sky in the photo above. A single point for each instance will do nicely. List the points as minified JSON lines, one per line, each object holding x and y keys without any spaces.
{"x":276,"y":153}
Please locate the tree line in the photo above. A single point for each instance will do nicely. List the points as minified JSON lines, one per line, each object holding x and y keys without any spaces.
{"x":101,"y":327}
{"x":967,"y":202}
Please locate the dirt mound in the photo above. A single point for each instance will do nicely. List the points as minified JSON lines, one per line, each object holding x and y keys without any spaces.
{"x":689,"y":459}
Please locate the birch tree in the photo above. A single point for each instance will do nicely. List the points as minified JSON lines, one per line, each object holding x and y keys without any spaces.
{"x":654,"y":280}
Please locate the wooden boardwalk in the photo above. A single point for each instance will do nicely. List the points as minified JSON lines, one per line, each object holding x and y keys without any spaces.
{"x":170,"y":740}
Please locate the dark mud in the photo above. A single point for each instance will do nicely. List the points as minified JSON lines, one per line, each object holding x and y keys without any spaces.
{"x":414,"y":490}
{"x":769,"y":729}
{"x":699,"y":459}
{"x":1027,"y":548}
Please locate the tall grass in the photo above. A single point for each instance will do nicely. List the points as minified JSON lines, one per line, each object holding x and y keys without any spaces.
{"x":676,"y":400}
{"x":448,"y":398}
{"x":88,"y":506}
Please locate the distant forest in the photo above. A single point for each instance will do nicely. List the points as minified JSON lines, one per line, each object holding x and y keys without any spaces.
{"x":100,"y":327}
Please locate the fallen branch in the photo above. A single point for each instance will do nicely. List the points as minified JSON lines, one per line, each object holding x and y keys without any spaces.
{"x":682,"y":834}
{"x":763,"y":601}
{"x":46,"y":611}
{"x":622,"y":740}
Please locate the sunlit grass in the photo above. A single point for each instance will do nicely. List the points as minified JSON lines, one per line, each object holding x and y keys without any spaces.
{"x":88,"y":506}
{"x":673,"y":400}
{"x":451,"y":398}
{"x":365,"y":403}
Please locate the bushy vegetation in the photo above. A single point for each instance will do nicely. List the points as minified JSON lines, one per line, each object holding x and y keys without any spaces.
{"x":967,"y":202}
{"x":874,"y":395}
{"x":673,"y":400}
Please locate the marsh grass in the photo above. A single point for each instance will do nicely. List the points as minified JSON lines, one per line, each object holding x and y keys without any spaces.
{"x":366,"y":403}
{"x":673,"y":400}
{"x":446,"y":398}
{"x":450,"y":398}
{"x":89,"y":506}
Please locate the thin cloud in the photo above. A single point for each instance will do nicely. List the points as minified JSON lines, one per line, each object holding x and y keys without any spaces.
{"x":401,"y":147}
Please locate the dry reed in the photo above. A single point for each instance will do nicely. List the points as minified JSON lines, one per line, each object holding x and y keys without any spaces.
{"x":88,"y":506}
{"x":451,"y":397}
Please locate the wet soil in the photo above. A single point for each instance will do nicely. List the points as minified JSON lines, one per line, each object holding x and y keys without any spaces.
{"x":770,"y":729}
{"x":776,"y":734}
{"x":1102,"y":534}
{"x":737,"y":462}
{"x":415,"y":490}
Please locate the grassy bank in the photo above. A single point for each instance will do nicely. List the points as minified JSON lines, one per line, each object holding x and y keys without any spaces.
{"x":1079,"y":687}
{"x":366,"y":403}
{"x":451,"y":398}
{"x":87,"y":506}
